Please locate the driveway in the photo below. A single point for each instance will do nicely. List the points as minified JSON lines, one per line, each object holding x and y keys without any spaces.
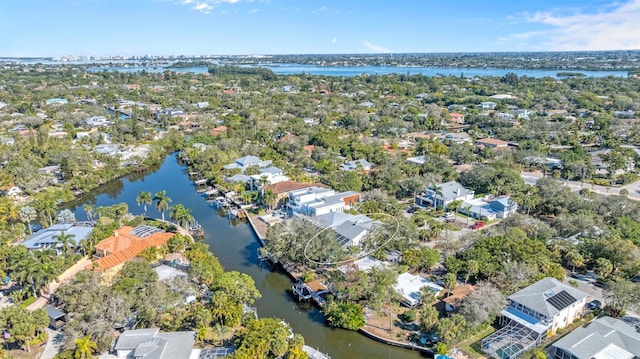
{"x":54,"y":342}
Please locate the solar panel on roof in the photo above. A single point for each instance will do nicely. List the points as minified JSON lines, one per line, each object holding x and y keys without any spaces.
{"x":561,"y":300}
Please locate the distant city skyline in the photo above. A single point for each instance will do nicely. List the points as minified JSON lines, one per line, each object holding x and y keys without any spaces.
{"x":45,"y":28}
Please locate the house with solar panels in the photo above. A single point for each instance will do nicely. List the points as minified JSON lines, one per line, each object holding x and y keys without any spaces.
{"x":533,"y":314}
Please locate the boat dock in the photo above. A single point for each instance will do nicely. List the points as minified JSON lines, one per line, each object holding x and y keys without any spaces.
{"x":314,"y":353}
{"x":311,"y":291}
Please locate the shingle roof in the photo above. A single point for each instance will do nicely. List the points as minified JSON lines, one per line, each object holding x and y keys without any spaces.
{"x":124,"y":245}
{"x":546,"y":296}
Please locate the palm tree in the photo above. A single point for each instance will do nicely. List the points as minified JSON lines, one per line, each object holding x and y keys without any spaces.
{"x":269,"y":198}
{"x":450,"y":282}
{"x":144,"y":198}
{"x":89,"y":210}
{"x":65,"y":240}
{"x":162,"y":202}
{"x":437,"y":191}
{"x":182,"y":216}
{"x":84,"y":348}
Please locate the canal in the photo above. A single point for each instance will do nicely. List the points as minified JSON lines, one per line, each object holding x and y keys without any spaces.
{"x":235,"y":244}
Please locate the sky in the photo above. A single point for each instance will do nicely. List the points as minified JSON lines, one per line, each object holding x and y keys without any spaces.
{"x":33,"y":28}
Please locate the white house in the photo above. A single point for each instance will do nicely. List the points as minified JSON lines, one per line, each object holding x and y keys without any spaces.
{"x":316,"y":201}
{"x":97,"y":121}
{"x":150,"y":343}
{"x":602,"y":338}
{"x":443,"y":194}
{"x":245,"y":162}
{"x":354,"y":165}
{"x":487,"y":105}
{"x":410,"y":286}
{"x":501,"y":207}
{"x":533,"y":314}
{"x":418,"y":160}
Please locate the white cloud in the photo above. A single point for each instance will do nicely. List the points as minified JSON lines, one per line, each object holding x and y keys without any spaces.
{"x":253,"y":11}
{"x":205,"y":6}
{"x":320,"y":9}
{"x":334,"y":40}
{"x":374,"y":48}
{"x":614,"y":27}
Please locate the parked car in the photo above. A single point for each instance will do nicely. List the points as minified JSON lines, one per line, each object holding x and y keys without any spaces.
{"x":594,"y":304}
{"x":449,"y":215}
{"x":412,"y":209}
{"x":477,"y":225}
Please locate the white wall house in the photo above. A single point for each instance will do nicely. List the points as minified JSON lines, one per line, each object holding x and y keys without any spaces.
{"x":443,"y":194}
{"x":316,"y":201}
{"x":533,"y":314}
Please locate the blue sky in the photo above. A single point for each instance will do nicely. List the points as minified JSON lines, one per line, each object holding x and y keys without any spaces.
{"x":221,"y":27}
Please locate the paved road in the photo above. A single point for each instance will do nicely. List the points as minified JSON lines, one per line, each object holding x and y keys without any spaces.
{"x":634,"y":188}
{"x":54,"y":342}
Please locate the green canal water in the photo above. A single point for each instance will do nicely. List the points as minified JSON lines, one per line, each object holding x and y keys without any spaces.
{"x":235,"y":244}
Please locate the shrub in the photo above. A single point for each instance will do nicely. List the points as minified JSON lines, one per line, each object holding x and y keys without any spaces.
{"x":409,"y":316}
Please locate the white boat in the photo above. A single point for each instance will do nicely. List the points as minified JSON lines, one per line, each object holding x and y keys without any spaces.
{"x":220,"y":201}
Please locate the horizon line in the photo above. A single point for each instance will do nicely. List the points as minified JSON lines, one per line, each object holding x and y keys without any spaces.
{"x":327,"y":54}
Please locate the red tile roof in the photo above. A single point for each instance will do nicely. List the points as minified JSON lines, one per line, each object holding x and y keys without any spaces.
{"x":123,"y":246}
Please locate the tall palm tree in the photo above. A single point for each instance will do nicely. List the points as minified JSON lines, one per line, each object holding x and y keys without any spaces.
{"x":269,"y":198}
{"x":89,"y":210}
{"x":437,"y":191}
{"x":84,"y":348}
{"x":65,"y":240}
{"x":162,"y":202}
{"x":182,"y":216}
{"x":144,"y":198}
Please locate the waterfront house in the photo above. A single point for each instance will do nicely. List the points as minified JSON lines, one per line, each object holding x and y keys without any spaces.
{"x":350,"y":229}
{"x":409,"y":286}
{"x":151,"y":344}
{"x":533,"y":314}
{"x":125,"y":244}
{"x":315,"y":201}
{"x":455,"y":298}
{"x":245,"y":162}
{"x":363,"y":264}
{"x":603,"y":338}
{"x":282,"y":189}
{"x":46,"y":238}
{"x":443,"y":194}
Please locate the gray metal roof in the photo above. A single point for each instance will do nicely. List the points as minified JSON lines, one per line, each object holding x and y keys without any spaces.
{"x":151,"y":344}
{"x":604,"y":337}
{"x":545,"y":296}
{"x":451,"y":191}
{"x":54,"y":313}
